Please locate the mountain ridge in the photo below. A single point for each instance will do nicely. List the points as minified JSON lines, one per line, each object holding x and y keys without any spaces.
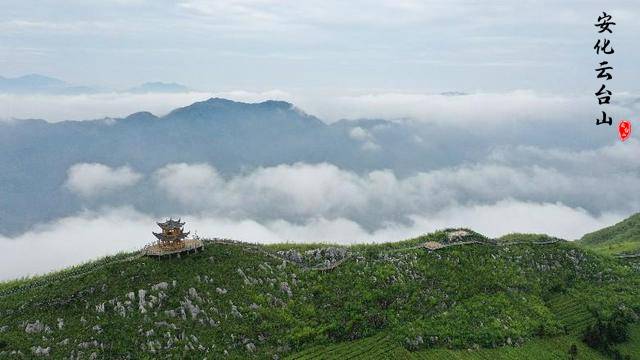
{"x":398,"y":300}
{"x":158,"y":87}
{"x":620,"y":238}
{"x":226,"y":134}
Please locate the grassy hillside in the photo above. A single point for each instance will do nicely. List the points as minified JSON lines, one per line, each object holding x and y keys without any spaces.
{"x":515,"y":299}
{"x":623,"y":237}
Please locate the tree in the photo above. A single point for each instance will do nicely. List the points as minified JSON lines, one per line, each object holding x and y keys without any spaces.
{"x":573,"y":351}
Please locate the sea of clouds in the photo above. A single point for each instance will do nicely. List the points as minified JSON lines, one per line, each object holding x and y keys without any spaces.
{"x":516,"y":188}
{"x":483,"y":109}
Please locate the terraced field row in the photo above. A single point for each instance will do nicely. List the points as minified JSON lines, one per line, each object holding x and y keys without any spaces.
{"x":382,"y":347}
{"x":572,"y":312}
{"x":538,"y":349}
{"x":369,"y":348}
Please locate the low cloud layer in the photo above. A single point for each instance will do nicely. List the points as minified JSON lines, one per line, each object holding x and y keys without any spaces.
{"x":589,"y":181}
{"x":564,"y":193}
{"x":90,"y":180}
{"x":482,"y":109}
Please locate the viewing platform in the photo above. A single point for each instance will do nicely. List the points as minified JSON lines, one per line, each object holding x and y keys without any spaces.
{"x":159,"y":250}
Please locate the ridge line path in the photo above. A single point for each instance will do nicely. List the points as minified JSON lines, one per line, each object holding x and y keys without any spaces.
{"x":421,"y":246}
{"x":254,"y":247}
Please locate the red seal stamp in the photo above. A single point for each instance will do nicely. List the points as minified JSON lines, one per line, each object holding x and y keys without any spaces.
{"x":624,"y":129}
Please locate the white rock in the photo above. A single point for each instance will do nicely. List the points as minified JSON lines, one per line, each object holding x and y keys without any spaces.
{"x":120,"y":310}
{"x":160,"y":286}
{"x":40,"y":351}
{"x":100,"y":308}
{"x":35,"y":327}
{"x":191,"y":307}
{"x":193,"y":293}
{"x":141,"y":300}
{"x":235,"y":312}
{"x":88,"y":344}
{"x":284,"y":286}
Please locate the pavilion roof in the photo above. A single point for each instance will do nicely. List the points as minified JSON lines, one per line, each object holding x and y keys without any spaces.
{"x":165,"y":237}
{"x":171,"y":224}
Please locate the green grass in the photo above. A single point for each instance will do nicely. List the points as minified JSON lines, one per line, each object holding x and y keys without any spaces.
{"x":468,"y":296}
{"x":623,"y":237}
{"x":520,"y":237}
{"x":625,"y":247}
{"x":87,"y":266}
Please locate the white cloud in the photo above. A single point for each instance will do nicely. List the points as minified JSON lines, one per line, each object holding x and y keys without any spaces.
{"x":483,"y":109}
{"x":507,"y":216}
{"x":360,"y":134}
{"x":72,"y":240}
{"x":89,"y":180}
{"x":611,"y":159}
{"x":368,"y":140}
{"x":300,"y":192}
{"x":290,"y":190}
{"x":480,"y":109}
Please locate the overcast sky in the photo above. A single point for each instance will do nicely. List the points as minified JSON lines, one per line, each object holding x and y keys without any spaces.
{"x":319,"y":45}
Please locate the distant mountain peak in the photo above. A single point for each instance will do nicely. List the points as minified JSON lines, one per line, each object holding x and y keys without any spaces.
{"x":32,"y":80}
{"x":243,"y":112}
{"x":159,"y":87}
{"x":40,"y":84}
{"x":453,"y":93}
{"x":35,"y":76}
{"x":141,"y":116}
{"x":218,"y":102}
{"x":277,"y":104}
